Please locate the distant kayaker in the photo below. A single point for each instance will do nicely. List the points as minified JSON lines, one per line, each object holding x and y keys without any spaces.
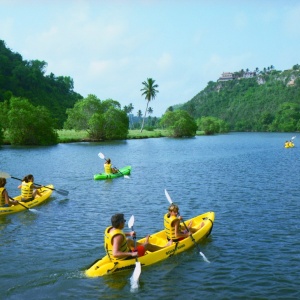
{"x":28,"y":190}
{"x":4,"y":198}
{"x":117,"y":243}
{"x":173,"y":229}
{"x":108,"y":169}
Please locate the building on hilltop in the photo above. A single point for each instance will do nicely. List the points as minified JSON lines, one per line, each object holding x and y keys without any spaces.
{"x":226,"y":76}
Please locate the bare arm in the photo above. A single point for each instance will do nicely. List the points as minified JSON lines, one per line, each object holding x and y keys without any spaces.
{"x":117,"y":242}
{"x":178,"y":232}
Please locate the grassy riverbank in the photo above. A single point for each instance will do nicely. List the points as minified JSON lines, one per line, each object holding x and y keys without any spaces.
{"x":69,"y":136}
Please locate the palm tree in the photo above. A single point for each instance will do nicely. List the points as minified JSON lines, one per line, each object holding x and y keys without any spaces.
{"x":150,"y":112}
{"x":149,"y":90}
{"x":139,"y":114}
{"x":128,"y":109}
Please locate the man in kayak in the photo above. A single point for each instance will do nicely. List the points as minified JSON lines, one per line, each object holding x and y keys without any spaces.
{"x":4,"y":198}
{"x":173,"y":229}
{"x":108,"y":169}
{"x":117,"y":243}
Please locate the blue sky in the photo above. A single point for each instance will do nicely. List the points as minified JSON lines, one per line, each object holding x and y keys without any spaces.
{"x":110,"y":47}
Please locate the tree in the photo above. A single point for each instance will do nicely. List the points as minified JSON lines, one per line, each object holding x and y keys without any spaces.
{"x":128,"y":109}
{"x":286,"y":118}
{"x":29,"y":124}
{"x":209,"y":125}
{"x":1,"y":135}
{"x":149,"y":91}
{"x":179,"y":123}
{"x":102,"y":120}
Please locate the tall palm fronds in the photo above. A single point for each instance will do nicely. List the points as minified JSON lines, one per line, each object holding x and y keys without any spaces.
{"x":149,"y":90}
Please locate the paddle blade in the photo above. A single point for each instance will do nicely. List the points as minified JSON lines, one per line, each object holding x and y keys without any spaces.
{"x":293,"y":137}
{"x":168,"y":197}
{"x":131,"y":222}
{"x":101,"y":155}
{"x":134,"y":280}
{"x":204,"y":257}
{"x":4,"y":175}
{"x":126,"y":176}
{"x":62,"y":192}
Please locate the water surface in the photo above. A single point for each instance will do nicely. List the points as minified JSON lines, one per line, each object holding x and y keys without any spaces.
{"x":249,"y":180}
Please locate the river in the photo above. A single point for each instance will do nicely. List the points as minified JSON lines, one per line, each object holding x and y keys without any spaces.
{"x":249,"y":180}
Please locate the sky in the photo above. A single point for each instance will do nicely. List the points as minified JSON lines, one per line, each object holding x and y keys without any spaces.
{"x":110,"y":47}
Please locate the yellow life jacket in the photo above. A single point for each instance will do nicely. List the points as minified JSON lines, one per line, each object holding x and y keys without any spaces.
{"x":27,"y":190}
{"x":169,"y":229}
{"x":107,"y":168}
{"x":108,"y":237}
{"x":2,"y":198}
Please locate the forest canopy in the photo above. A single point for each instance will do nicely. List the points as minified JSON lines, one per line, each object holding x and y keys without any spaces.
{"x":27,"y":79}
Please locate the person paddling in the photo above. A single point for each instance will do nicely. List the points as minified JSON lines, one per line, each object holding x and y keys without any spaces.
{"x":118,"y":244}
{"x":4,"y":198}
{"x":108,"y":169}
{"x":28,"y":190}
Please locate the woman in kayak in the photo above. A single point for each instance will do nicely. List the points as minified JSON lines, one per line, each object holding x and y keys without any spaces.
{"x":28,"y":189}
{"x":173,"y":229}
{"x":108,"y":169}
{"x":119,"y":246}
{"x":4,"y":198}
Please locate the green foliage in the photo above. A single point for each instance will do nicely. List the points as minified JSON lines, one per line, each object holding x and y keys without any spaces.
{"x":27,"y":79}
{"x":179,"y":123}
{"x":29,"y":124}
{"x":250,"y":104}
{"x":4,"y":109}
{"x":1,"y":134}
{"x":102,"y":120}
{"x":211,"y":125}
{"x":286,"y":118}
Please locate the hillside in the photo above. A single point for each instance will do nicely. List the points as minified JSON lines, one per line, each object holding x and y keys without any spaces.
{"x":27,"y":79}
{"x":252,"y":104}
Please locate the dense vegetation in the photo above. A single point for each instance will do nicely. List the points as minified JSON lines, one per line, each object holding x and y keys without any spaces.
{"x":103,"y":120}
{"x":27,"y":79}
{"x":269,"y":101}
{"x":33,"y":105}
{"x":179,"y":123}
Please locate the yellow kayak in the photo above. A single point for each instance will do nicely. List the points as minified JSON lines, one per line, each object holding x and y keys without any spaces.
{"x":46,"y":193}
{"x":105,"y":266}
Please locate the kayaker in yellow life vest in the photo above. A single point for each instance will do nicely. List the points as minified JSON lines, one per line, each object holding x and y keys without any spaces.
{"x":286,"y":144}
{"x":28,"y":190}
{"x":119,"y":246}
{"x":108,"y":169}
{"x":173,"y":229}
{"x":4,"y":198}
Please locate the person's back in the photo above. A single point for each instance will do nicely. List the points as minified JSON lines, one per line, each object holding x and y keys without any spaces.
{"x":3,"y":200}
{"x":107,"y":168}
{"x":26,"y":189}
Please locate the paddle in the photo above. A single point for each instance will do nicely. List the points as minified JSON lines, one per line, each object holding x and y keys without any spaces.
{"x":19,"y":202}
{"x":102,"y":156}
{"x":62,"y":192}
{"x":138,"y":269}
{"x":191,"y":236}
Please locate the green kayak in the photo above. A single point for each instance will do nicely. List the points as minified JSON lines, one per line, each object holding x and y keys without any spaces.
{"x":122,"y":172}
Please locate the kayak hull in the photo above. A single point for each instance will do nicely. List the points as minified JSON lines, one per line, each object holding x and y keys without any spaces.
{"x":105,"y":266}
{"x":123,"y":171}
{"x":46,"y":193}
